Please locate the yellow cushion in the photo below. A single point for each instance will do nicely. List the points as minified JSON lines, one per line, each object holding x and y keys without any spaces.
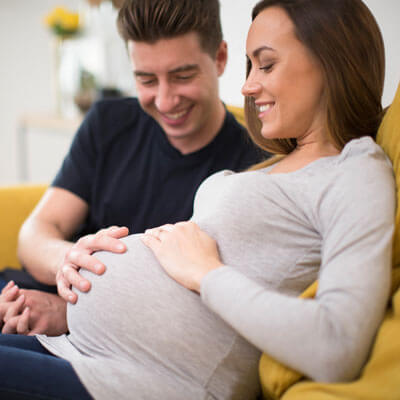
{"x":16,"y":203}
{"x":389,"y":139}
{"x":276,"y":377}
{"x":238,"y":113}
{"x":381,"y":376}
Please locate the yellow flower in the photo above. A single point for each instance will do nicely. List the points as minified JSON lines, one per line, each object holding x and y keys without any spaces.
{"x":71,"y":22}
{"x":63,"y":21}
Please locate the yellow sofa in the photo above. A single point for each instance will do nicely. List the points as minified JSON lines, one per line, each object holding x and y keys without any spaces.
{"x":380,"y":378}
{"x":16,"y":203}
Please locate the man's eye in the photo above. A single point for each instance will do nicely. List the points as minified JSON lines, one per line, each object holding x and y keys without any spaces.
{"x":184,"y":77}
{"x":146,"y":82}
{"x":267,"y":67}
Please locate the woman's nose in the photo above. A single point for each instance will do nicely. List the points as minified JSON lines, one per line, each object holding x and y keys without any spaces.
{"x":251,"y":88}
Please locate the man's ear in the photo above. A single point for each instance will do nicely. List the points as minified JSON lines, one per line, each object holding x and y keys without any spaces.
{"x":221,"y":57}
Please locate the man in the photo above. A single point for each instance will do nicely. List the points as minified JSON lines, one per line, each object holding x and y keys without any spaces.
{"x":134,"y":163}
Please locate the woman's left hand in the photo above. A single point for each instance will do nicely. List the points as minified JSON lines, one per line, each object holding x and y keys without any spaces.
{"x":185,"y":252}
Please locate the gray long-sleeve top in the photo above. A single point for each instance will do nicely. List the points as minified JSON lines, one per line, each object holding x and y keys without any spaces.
{"x":139,"y":334}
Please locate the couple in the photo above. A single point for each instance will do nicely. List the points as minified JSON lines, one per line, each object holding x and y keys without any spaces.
{"x":186,"y":311}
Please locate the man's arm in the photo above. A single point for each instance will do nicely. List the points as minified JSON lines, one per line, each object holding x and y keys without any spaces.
{"x":47,"y":254}
{"x":43,"y":238}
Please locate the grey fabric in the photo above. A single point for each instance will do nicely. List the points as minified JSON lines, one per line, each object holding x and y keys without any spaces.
{"x":138,"y":334}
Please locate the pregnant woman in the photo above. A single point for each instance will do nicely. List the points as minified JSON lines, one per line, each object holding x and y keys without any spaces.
{"x":186,"y":312}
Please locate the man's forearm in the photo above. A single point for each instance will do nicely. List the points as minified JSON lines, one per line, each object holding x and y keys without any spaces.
{"x":41,"y":250}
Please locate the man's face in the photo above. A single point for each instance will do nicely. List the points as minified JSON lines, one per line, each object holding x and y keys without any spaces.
{"x":177,"y":84}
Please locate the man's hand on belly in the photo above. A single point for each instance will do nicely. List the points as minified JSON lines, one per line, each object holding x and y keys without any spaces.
{"x":80,"y":256}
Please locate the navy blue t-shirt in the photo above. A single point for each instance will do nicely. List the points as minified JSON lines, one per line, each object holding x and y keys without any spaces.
{"x":121,"y":163}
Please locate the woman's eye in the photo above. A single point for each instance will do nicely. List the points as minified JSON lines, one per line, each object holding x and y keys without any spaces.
{"x":267,"y":67}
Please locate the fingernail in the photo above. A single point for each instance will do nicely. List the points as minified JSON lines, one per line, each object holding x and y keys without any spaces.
{"x":71,"y":298}
{"x":98,"y":268}
{"x":120,"y":247}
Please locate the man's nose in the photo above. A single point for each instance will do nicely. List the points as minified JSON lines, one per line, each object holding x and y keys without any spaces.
{"x":166,"y":98}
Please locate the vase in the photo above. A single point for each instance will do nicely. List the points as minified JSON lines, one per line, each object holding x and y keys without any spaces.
{"x":58,"y":48}
{"x":66,"y":76}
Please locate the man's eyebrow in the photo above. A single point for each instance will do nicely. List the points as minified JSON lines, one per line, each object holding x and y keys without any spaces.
{"x":142,"y":73}
{"x":260,"y":49}
{"x":182,"y":68}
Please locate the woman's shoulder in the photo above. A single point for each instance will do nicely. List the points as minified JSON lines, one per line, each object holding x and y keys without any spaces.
{"x":362,"y":177}
{"x":364,"y":151}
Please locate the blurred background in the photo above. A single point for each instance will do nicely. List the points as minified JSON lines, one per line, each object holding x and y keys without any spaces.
{"x":48,"y":76}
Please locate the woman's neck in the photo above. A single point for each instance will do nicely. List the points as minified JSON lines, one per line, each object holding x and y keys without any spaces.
{"x":306,"y":152}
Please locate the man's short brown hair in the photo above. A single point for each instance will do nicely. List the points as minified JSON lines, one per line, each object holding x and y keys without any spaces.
{"x":152,"y":20}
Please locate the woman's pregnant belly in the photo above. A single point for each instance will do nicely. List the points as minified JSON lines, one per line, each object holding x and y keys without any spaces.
{"x":135,"y":310}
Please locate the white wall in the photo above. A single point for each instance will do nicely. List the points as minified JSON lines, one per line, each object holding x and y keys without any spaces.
{"x":236,"y":18}
{"x":26,"y":62}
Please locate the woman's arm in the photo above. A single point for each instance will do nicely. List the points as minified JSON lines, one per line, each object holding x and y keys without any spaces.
{"x":327,"y":338}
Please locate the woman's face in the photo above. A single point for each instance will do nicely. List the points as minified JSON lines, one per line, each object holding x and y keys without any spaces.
{"x":285,"y":81}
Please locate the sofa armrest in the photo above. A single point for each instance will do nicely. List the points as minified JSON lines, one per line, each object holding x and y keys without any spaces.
{"x":16,"y":203}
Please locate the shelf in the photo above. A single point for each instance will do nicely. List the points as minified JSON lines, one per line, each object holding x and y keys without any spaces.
{"x":43,"y":141}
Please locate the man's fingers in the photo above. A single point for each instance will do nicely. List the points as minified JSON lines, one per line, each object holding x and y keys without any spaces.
{"x":8,"y":286}
{"x":23,"y":322}
{"x":10,"y":294}
{"x":15,"y":308}
{"x":10,"y":326}
{"x":118,"y":231}
{"x":18,"y":324}
{"x":73,"y":278}
{"x":65,"y":292}
{"x":103,"y":240}
{"x":85,"y":261}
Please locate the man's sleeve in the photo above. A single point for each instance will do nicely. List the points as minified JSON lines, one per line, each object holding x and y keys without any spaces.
{"x":78,"y":168}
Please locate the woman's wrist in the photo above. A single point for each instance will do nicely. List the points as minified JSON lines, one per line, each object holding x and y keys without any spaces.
{"x":211,"y":266}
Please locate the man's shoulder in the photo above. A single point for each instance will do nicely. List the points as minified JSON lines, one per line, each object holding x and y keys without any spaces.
{"x":117,"y":117}
{"x":237,"y":140}
{"x":116,"y":108}
{"x":232,"y":123}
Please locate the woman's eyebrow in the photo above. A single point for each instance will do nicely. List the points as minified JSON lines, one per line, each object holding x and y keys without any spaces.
{"x":260,"y":49}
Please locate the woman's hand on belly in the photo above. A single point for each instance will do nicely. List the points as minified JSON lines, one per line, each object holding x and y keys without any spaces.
{"x":185,"y":252}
